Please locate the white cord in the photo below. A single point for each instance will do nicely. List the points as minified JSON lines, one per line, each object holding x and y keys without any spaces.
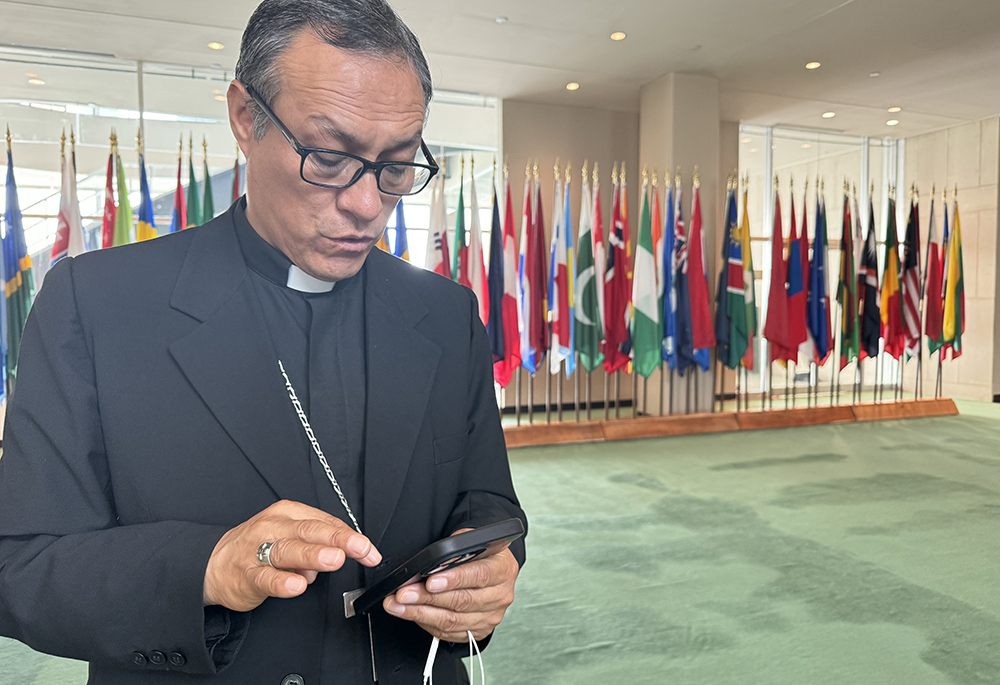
{"x":432,"y":655}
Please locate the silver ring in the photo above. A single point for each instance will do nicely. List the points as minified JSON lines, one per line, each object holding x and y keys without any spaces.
{"x":264,"y":553}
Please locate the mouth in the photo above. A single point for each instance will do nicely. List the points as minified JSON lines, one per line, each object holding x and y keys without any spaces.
{"x":356,"y":244}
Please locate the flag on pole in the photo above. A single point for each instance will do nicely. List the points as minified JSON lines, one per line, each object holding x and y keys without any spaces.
{"x":570,"y":274}
{"x":503,"y":370}
{"x":702,"y":335}
{"x":734,"y":283}
{"x":953,"y":323}
{"x":871,"y":319}
{"x":847,"y":290}
{"x":178,"y":221}
{"x":616,"y":290}
{"x":208,"y":206}
{"x":528,"y":360}
{"x":402,"y":243}
{"x":436,"y":257}
{"x":749,"y":288}
{"x":910,"y":281}
{"x":237,"y":185}
{"x":722,"y":288}
{"x":559,"y":286}
{"x":798,"y":268}
{"x":539,"y":326}
{"x":69,"y":234}
{"x":146,"y":227}
{"x":683,"y":348}
{"x":670,"y":279}
{"x":476,"y":266}
{"x":495,"y":324}
{"x":935,"y":285}
{"x":460,"y":257}
{"x":892,"y":308}
{"x":647,"y":332}
{"x":776,"y":324}
{"x":110,"y":209}
{"x":193,"y":211}
{"x":124,"y":229}
{"x":658,"y":247}
{"x":587,"y":316}
{"x":18,"y":280}
{"x":818,"y":307}
{"x":600,"y":263}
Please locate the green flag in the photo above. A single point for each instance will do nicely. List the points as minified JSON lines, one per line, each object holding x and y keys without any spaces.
{"x":647,"y":338}
{"x":193,"y":213}
{"x":749,"y":293}
{"x":208,"y":208}
{"x":19,"y":287}
{"x":735,"y":284}
{"x":461,"y":253}
{"x":587,"y":316}
{"x":123,"y":218}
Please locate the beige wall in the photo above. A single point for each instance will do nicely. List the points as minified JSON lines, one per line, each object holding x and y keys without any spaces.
{"x":968,"y":156}
{"x":573,"y":134}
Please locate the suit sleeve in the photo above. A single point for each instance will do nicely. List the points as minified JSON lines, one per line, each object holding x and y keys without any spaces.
{"x":486,"y":491}
{"x":73,"y":581}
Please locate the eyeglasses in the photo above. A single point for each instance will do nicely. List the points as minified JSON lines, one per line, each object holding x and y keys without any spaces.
{"x":335,"y":169}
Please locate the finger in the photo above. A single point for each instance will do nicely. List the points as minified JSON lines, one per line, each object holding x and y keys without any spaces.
{"x":271,"y":582}
{"x":294,"y":555}
{"x":443,"y":621}
{"x":334,"y":534}
{"x":493,"y":598}
{"x":495,"y":569}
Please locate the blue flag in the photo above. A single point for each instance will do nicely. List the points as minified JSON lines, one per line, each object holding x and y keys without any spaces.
{"x":670,"y":296}
{"x":494,"y":279}
{"x":571,"y":276}
{"x":817,"y":316}
{"x":683,"y":334}
{"x":17,"y":276}
{"x":722,"y":293}
{"x":402,"y":244}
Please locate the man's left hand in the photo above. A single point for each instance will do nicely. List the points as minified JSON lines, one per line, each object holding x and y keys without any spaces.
{"x":472,"y":597}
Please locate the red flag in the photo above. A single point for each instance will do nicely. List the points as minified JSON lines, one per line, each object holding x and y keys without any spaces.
{"x":934,"y":287}
{"x":702,"y":331}
{"x":503,"y":370}
{"x":776,"y":326}
{"x":910,"y":282}
{"x":796,"y":283}
{"x":237,"y":188}
{"x":110,"y":212}
{"x":892,"y":309}
{"x":616,"y":291}
{"x":537,"y":326}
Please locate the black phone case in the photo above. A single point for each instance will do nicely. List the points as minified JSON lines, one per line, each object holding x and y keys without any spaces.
{"x":444,"y":554}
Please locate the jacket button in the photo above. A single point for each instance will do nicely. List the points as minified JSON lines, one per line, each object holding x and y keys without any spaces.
{"x":139,"y":659}
{"x":176,"y":659}
{"x":293,"y":679}
{"x":157,"y":658}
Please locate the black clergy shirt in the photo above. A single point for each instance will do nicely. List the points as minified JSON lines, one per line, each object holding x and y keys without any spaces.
{"x":320,"y":339}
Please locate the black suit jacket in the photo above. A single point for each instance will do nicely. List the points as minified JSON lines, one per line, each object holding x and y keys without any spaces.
{"x":150,"y":417}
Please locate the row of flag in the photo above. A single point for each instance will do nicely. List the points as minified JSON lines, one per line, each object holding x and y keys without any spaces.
{"x":590,"y":299}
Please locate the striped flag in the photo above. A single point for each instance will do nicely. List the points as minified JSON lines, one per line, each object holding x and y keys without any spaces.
{"x":910,"y":281}
{"x":669,"y":280}
{"x":871,"y":318}
{"x":954,"y":299}
{"x":436,"y":257}
{"x":647,"y":336}
{"x":587,"y":316}
{"x":702,"y":334}
{"x":146,"y":227}
{"x":600,"y":264}
{"x":796,"y":283}
{"x":506,"y":293}
{"x":69,"y":234}
{"x":178,"y":221}
{"x":616,"y":291}
{"x":683,"y":348}
{"x":559,"y":293}
{"x":847,"y":294}
{"x":237,"y":184}
{"x":749,"y":288}
{"x":935,"y":286}
{"x":818,"y":307}
{"x":570,"y":275}
{"x":193,"y":211}
{"x":18,"y":279}
{"x":123,"y":218}
{"x":892,"y":308}
{"x":110,"y":209}
{"x":734,"y":285}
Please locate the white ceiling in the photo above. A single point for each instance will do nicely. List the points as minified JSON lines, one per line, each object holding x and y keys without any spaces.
{"x":939,"y":59}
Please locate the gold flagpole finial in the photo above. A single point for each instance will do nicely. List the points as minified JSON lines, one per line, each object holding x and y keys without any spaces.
{"x":556,"y":171}
{"x":204,"y":145}
{"x":645,"y":177}
{"x":892,"y":192}
{"x":654,"y":177}
{"x":954,"y":195}
{"x":677,"y":178}
{"x":933,"y":190}
{"x":583,"y":169}
{"x":596,"y":174}
{"x":472,"y":165}
{"x":527,"y":169}
{"x":847,"y":187}
{"x":854,"y":192}
{"x":191,"y":143}
{"x":944,"y":194}
{"x":696,"y":182}
{"x":8,"y":138}
{"x":180,"y":145}
{"x":138,"y":140}
{"x":444,"y":166}
{"x":534,"y":169}
{"x":569,"y":171}
{"x":621,"y":173}
{"x":614,"y":173}
{"x":871,"y":189}
{"x":72,"y":140}
{"x":62,"y":144}
{"x":776,"y":183}
{"x":506,"y":169}
{"x":461,"y":168}
{"x":494,"y":169}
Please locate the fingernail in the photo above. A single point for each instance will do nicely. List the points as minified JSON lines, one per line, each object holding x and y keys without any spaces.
{"x":437,"y":584}
{"x":409,"y":597}
{"x":394,"y":608}
{"x":358,"y":545}
{"x":373,"y":558}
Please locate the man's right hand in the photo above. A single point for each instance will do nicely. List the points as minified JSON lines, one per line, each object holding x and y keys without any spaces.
{"x":306,"y":542}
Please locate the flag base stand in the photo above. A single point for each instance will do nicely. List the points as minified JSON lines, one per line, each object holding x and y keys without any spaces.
{"x":720,"y":422}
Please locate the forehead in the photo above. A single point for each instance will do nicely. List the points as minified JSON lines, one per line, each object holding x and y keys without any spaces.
{"x":368,"y":93}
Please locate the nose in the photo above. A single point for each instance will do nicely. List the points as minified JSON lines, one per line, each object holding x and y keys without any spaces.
{"x":362,"y":199}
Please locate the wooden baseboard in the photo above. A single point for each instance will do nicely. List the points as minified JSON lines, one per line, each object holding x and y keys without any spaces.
{"x":527,"y":435}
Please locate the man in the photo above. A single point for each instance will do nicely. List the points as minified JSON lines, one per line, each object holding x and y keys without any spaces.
{"x":164,"y":513}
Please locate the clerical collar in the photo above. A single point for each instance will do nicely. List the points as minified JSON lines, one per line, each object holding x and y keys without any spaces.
{"x":270,"y":262}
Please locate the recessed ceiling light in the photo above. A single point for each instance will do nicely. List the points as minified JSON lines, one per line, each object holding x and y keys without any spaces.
{"x":892,"y":122}
{"x":813,"y":65}
{"x":220,"y":98}
{"x":573,"y":86}
{"x":216,"y":46}
{"x":829,"y":115}
{"x":806,"y":146}
{"x":753,"y":149}
{"x":30,"y":74}
{"x":874,"y":74}
{"x":745,"y":141}
{"x":36,"y":81}
{"x":618,"y":35}
{"x":501,"y":20}
{"x":893,"y":110}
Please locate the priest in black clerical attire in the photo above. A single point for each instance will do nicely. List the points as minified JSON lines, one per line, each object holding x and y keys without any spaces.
{"x":216,"y":434}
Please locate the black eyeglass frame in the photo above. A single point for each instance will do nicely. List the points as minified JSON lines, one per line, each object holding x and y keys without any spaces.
{"x":377,"y":167}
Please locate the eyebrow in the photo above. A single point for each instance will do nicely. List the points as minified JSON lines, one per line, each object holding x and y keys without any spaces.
{"x":332,"y":130}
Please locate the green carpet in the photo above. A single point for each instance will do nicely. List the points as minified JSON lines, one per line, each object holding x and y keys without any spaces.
{"x":850,"y":554}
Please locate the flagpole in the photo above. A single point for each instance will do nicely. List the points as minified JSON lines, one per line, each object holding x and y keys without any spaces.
{"x":786,"y":384}
{"x":618,"y":393}
{"x":770,"y":387}
{"x":836,"y":357}
{"x":517,"y":394}
{"x":559,"y":391}
{"x":548,"y":386}
{"x":687,"y":392}
{"x":635,"y":393}
{"x":576,"y":386}
{"x":531,"y":399}
{"x":607,"y":395}
{"x":795,"y":384}
{"x":589,"y":403}
{"x":645,"y":397}
{"x":663,"y":383}
{"x":722,"y":387}
{"x":673,"y":378}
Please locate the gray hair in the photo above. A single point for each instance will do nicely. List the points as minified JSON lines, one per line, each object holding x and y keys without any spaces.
{"x":369,"y":27}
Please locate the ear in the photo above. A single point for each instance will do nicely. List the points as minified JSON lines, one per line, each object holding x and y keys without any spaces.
{"x":241,"y":117}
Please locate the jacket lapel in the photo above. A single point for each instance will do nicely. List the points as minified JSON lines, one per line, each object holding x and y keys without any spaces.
{"x":402,"y":364}
{"x":231,"y":364}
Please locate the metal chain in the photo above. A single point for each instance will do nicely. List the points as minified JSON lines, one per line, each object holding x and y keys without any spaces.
{"x":315,"y":445}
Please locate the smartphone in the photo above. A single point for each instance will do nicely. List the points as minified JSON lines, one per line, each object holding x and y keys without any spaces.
{"x":438,"y":556}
